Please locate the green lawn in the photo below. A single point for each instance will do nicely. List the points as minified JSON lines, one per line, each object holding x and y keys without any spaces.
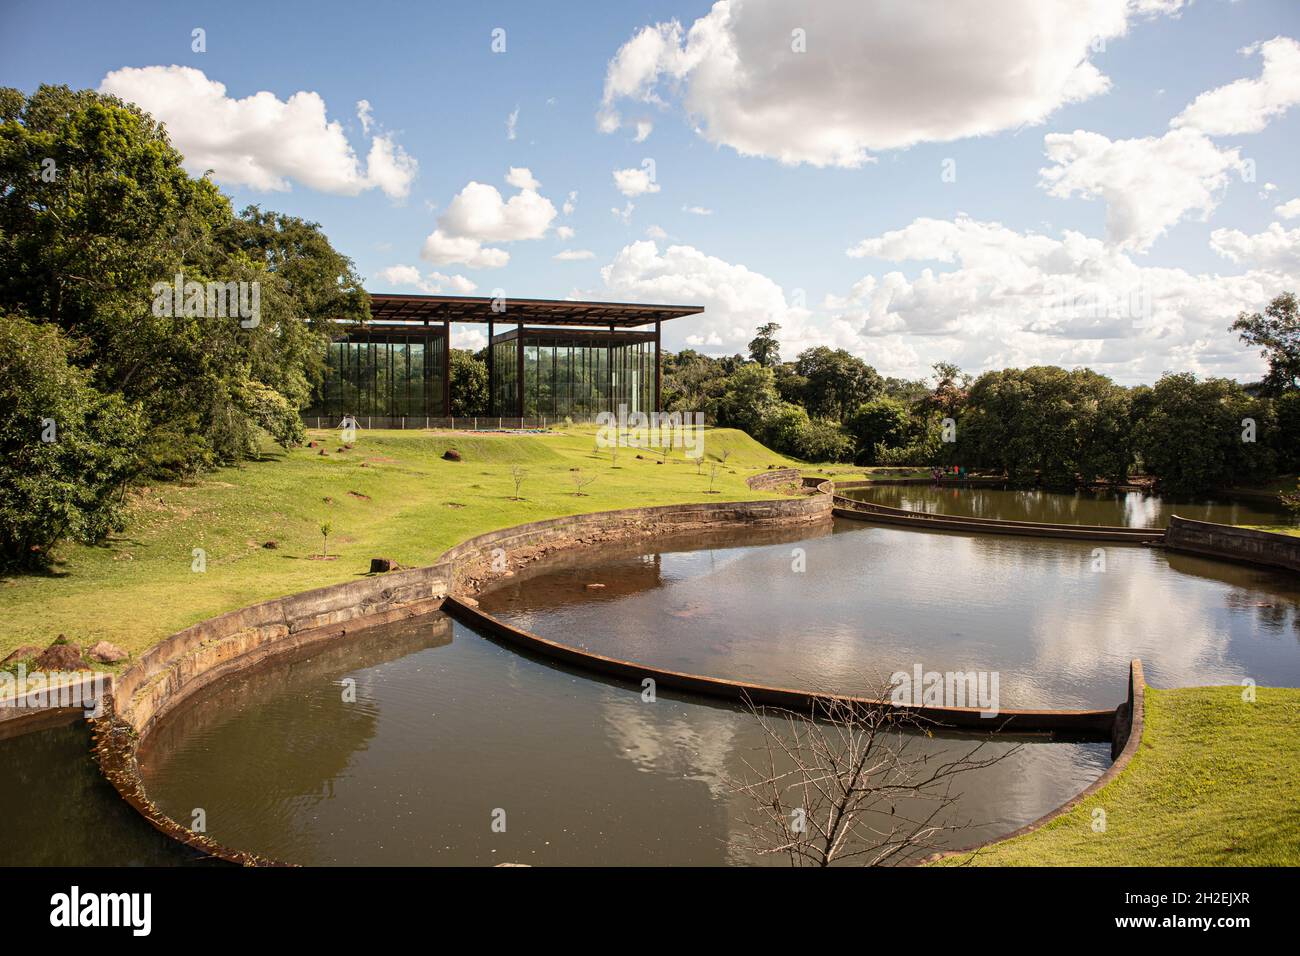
{"x":1212,"y":784}
{"x":1275,"y":528}
{"x":139,"y":587}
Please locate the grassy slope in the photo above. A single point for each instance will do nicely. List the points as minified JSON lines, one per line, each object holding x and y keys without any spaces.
{"x":1212,"y":784}
{"x":140,"y":587}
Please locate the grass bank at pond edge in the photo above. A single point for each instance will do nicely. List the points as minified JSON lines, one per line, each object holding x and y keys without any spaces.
{"x":392,"y":495}
{"x":1212,"y":784}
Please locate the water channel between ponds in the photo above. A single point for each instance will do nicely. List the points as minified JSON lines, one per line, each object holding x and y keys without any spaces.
{"x":1130,"y":509}
{"x":446,"y":727}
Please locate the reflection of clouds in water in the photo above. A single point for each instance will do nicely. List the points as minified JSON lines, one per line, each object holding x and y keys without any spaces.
{"x":873,"y":600}
{"x":695,"y":742}
{"x":710,"y":745}
{"x":1127,"y":611}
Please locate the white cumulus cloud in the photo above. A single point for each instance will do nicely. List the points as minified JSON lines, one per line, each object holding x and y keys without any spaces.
{"x":433,"y":283}
{"x":1246,"y":106}
{"x":1148,"y":184}
{"x":833,"y":81}
{"x":1288,"y":210}
{"x":989,"y":296}
{"x":634,"y":182}
{"x":1275,"y":248}
{"x":261,"y":141}
{"x":478,"y":215}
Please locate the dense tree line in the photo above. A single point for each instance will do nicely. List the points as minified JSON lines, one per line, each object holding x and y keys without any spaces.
{"x":101,"y":381}
{"x":1044,"y":424}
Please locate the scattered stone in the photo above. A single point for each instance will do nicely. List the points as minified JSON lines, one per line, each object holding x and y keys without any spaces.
{"x":323,"y":453}
{"x":24,"y":652}
{"x":271,"y":545}
{"x":384,"y":565}
{"x":107,"y":653}
{"x":312,"y":444}
{"x":451,"y":454}
{"x":328,"y":500}
{"x":61,"y":657}
{"x":595,"y":587}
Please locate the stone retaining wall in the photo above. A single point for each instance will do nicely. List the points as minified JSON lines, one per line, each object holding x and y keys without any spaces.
{"x":775,"y":478}
{"x":190,"y":659}
{"x":1235,"y":544}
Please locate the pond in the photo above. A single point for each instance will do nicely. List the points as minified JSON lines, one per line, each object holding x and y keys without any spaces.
{"x":448,"y":727}
{"x":404,"y":743}
{"x":1131,"y":509}
{"x":1058,"y":620}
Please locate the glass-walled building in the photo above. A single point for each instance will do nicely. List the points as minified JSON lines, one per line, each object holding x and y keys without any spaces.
{"x":385,"y":372}
{"x":555,"y":358}
{"x":575,"y":374}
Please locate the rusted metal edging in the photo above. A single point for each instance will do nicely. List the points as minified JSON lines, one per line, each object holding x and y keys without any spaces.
{"x":865,"y":511}
{"x":1129,"y":724}
{"x":1094,"y":724}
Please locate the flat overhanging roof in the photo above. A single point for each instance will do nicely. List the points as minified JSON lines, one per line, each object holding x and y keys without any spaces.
{"x":395,"y":307}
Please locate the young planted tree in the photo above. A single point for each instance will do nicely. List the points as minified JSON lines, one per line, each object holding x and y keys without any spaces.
{"x":325,"y":530}
{"x":580,"y":480}
{"x":517,"y":475}
{"x":852,"y":781}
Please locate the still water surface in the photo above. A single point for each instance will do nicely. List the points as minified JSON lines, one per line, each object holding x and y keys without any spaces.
{"x":448,"y":727}
{"x":1058,"y":620}
{"x":1131,"y":509}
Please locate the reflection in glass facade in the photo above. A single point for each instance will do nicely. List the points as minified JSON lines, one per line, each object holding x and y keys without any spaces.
{"x":393,"y":374}
{"x":574,"y":374}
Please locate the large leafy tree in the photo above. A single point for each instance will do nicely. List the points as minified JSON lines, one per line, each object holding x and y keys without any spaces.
{"x":1046,"y":423}
{"x":1277,"y":333}
{"x":750,"y":399}
{"x":66,"y":449}
{"x":469,"y":384}
{"x":876,"y":426}
{"x":764,"y":348}
{"x":836,"y":382}
{"x":95,"y":209}
{"x":692,"y":382}
{"x":1190,"y":433}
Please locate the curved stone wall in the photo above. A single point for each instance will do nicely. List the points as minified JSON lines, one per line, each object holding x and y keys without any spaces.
{"x":194,"y":657}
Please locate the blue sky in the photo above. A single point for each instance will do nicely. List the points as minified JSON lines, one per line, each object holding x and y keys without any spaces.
{"x":797,"y":156}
